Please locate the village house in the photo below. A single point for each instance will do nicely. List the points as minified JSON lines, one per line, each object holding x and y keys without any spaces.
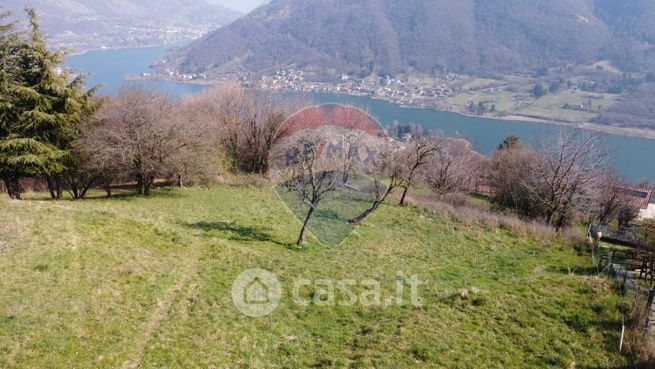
{"x":643,"y":200}
{"x":648,"y":213}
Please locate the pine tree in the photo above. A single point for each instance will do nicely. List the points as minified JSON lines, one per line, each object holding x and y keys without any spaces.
{"x":8,"y":44}
{"x":511,"y":142}
{"x":40,"y":110}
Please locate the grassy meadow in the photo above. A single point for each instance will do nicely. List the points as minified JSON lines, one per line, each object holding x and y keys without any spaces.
{"x":145,"y":282}
{"x":520,"y":100}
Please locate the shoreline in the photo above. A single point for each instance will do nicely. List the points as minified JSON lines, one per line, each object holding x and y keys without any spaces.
{"x":113,"y":48}
{"x":84,"y":52}
{"x":514,"y":117}
{"x":511,"y":117}
{"x":612,"y":130}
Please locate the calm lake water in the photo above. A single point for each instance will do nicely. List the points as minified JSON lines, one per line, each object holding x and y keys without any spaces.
{"x":633,"y":157}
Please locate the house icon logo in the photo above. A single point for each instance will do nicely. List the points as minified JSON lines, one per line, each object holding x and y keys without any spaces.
{"x":256,"y":293}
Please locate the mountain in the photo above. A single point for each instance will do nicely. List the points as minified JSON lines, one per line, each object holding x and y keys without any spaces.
{"x":240,"y":5}
{"x":83,"y":24}
{"x":467,"y":36}
{"x":633,"y":23}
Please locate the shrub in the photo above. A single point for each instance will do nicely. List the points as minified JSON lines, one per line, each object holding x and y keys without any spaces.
{"x":647,"y":233}
{"x":640,"y":344}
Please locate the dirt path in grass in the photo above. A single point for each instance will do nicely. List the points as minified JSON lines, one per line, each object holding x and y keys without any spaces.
{"x":159,"y":315}
{"x":13,"y":354}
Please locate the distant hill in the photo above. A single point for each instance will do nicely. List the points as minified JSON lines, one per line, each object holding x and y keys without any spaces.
{"x":467,"y":36}
{"x":240,"y":5}
{"x":89,"y":23}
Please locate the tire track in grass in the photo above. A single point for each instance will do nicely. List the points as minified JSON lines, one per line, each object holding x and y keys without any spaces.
{"x":16,"y":350}
{"x":159,"y":315}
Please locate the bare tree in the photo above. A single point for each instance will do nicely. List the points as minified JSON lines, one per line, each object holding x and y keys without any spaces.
{"x":310,"y":180}
{"x":196,"y":162}
{"x":351,"y":141}
{"x":569,"y":166}
{"x":257,"y":136}
{"x":556,"y":181}
{"x":243,"y":123}
{"x":614,"y":202}
{"x":79,"y":178}
{"x":452,"y":167}
{"x":81,"y":174}
{"x":510,"y":173}
{"x":385,"y":170}
{"x":94,"y":166}
{"x":224,"y":110}
{"x":416,"y":156}
{"x":350,"y":144}
{"x":140,"y":131}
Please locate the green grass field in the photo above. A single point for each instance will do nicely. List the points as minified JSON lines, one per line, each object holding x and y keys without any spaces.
{"x":551,"y":106}
{"x":145,"y":282}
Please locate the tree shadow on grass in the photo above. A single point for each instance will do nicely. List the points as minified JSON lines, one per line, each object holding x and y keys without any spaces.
{"x":238,"y":232}
{"x":125,"y":193}
{"x":129,"y":194}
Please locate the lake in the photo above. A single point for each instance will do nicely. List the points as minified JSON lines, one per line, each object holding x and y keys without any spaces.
{"x":632,"y":156}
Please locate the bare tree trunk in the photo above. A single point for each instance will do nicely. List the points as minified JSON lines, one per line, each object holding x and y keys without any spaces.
{"x":51,"y":187}
{"x":147,"y":185}
{"x":140,"y":185}
{"x":87,"y":187}
{"x":74,"y":191}
{"x":106,"y":184}
{"x":360,"y":218}
{"x":13,"y":185}
{"x":564,"y":214}
{"x":560,"y":223}
{"x":404,"y":196}
{"x":305,"y":225}
{"x":59,"y":189}
{"x":549,"y":216}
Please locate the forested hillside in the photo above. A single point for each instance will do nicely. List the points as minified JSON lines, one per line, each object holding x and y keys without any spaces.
{"x":463,"y":36}
{"x":124,"y":22}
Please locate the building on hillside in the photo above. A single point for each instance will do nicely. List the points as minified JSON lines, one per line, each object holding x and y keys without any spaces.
{"x":648,"y":213}
{"x":483,"y":188}
{"x":642,"y":199}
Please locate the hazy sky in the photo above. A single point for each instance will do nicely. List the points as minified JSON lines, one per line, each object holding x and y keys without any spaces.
{"x":240,"y":5}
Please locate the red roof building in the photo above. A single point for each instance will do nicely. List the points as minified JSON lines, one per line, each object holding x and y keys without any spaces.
{"x":639,"y":197}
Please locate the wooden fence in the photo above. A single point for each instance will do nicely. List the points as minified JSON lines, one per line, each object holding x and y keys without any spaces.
{"x":627,"y":264}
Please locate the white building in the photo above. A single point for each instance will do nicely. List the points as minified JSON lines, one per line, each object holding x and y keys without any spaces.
{"x":648,"y":213}
{"x":642,"y":199}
